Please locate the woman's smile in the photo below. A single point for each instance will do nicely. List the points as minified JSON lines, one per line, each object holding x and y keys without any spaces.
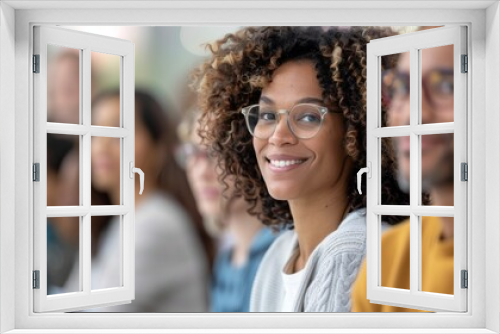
{"x":283,"y":163}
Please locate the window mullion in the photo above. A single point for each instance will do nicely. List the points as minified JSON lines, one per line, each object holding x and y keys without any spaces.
{"x":80,"y":211}
{"x":434,"y":128}
{"x":104,"y":131}
{"x":85,"y":244}
{"x":414,"y":170}
{"x":109,"y":210}
{"x":67,"y":129}
{"x":419,"y":210}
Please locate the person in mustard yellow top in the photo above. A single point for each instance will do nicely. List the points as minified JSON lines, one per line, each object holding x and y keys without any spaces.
{"x":437,"y":265}
{"x":437,"y":181}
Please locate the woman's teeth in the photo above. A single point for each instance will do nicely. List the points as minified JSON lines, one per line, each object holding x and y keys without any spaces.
{"x":285,"y":163}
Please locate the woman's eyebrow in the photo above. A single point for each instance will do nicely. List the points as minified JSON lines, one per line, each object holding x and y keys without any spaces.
{"x":266,"y":100}
{"x":314,"y":100}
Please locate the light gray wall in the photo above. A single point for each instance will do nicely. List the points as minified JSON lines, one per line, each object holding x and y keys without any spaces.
{"x":492,"y":163}
{"x":7,"y":160}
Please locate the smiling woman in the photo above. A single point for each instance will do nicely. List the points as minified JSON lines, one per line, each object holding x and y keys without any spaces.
{"x":295,"y":152}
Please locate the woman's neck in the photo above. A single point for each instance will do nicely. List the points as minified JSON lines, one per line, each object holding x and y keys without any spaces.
{"x":243,"y":228}
{"x":314,"y":220}
{"x":317,"y":215}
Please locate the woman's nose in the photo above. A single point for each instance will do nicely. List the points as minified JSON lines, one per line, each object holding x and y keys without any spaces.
{"x":282,"y":133}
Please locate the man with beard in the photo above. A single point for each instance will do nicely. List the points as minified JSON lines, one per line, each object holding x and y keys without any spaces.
{"x":437,"y":181}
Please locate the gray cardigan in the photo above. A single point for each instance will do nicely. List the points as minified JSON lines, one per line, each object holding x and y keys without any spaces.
{"x":329,"y":272}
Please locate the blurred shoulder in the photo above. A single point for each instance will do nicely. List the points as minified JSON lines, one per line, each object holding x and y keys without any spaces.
{"x":398,"y":230}
{"x":397,"y":236}
{"x":163,"y":211}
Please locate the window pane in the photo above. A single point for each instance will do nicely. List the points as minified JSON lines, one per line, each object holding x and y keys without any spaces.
{"x":396,"y":89}
{"x":105,"y":89}
{"x":437,"y":169}
{"x":63,"y":170}
{"x":63,"y":85}
{"x":63,"y":255}
{"x":437,"y":254}
{"x":399,"y":171}
{"x":395,"y":253}
{"x":437,"y":84}
{"x":107,"y":252}
{"x":106,"y":171}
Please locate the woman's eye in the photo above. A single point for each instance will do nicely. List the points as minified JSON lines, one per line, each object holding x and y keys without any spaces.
{"x":309,"y":118}
{"x":267,"y":116}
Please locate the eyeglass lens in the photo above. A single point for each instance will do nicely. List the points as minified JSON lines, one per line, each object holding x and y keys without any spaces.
{"x":437,"y":83}
{"x":303,"y":120}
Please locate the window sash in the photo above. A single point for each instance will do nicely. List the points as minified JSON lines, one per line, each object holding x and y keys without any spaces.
{"x":86,"y":43}
{"x":414,"y":298}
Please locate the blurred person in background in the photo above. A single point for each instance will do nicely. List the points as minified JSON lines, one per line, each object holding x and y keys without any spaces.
{"x":437,"y":181}
{"x":243,"y":239}
{"x":63,"y":106}
{"x":63,"y":87}
{"x":62,"y":236}
{"x":172,"y":250}
{"x":63,"y":171}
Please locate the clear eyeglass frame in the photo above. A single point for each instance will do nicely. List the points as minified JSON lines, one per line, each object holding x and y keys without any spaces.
{"x":322,"y":110}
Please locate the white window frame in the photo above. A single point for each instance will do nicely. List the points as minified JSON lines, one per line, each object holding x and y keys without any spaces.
{"x":16,"y":21}
{"x":413,"y":43}
{"x":85,"y":43}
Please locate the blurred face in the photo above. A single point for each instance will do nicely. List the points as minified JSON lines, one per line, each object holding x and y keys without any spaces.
{"x":105,"y":152}
{"x":202,"y":177}
{"x":295,"y":168}
{"x":437,"y":107}
{"x":64,"y":90}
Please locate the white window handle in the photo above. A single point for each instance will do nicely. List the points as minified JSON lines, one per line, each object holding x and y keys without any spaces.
{"x":368,"y":171}
{"x":133,"y":170}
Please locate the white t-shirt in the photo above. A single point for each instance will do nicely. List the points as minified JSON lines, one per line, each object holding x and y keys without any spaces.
{"x":330,"y":269}
{"x":291,"y":283}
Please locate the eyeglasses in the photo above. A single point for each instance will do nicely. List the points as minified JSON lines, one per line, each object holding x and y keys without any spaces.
{"x":188,"y":153}
{"x":437,"y":86}
{"x":304,"y":120}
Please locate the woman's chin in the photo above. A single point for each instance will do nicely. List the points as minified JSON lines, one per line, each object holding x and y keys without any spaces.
{"x":281,"y":194}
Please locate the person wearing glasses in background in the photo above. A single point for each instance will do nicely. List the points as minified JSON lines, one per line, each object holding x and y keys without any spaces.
{"x":437,"y":181}
{"x":242,"y":238}
{"x":285,"y":112}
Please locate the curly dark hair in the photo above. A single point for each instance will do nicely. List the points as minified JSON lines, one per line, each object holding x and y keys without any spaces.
{"x":243,"y":63}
